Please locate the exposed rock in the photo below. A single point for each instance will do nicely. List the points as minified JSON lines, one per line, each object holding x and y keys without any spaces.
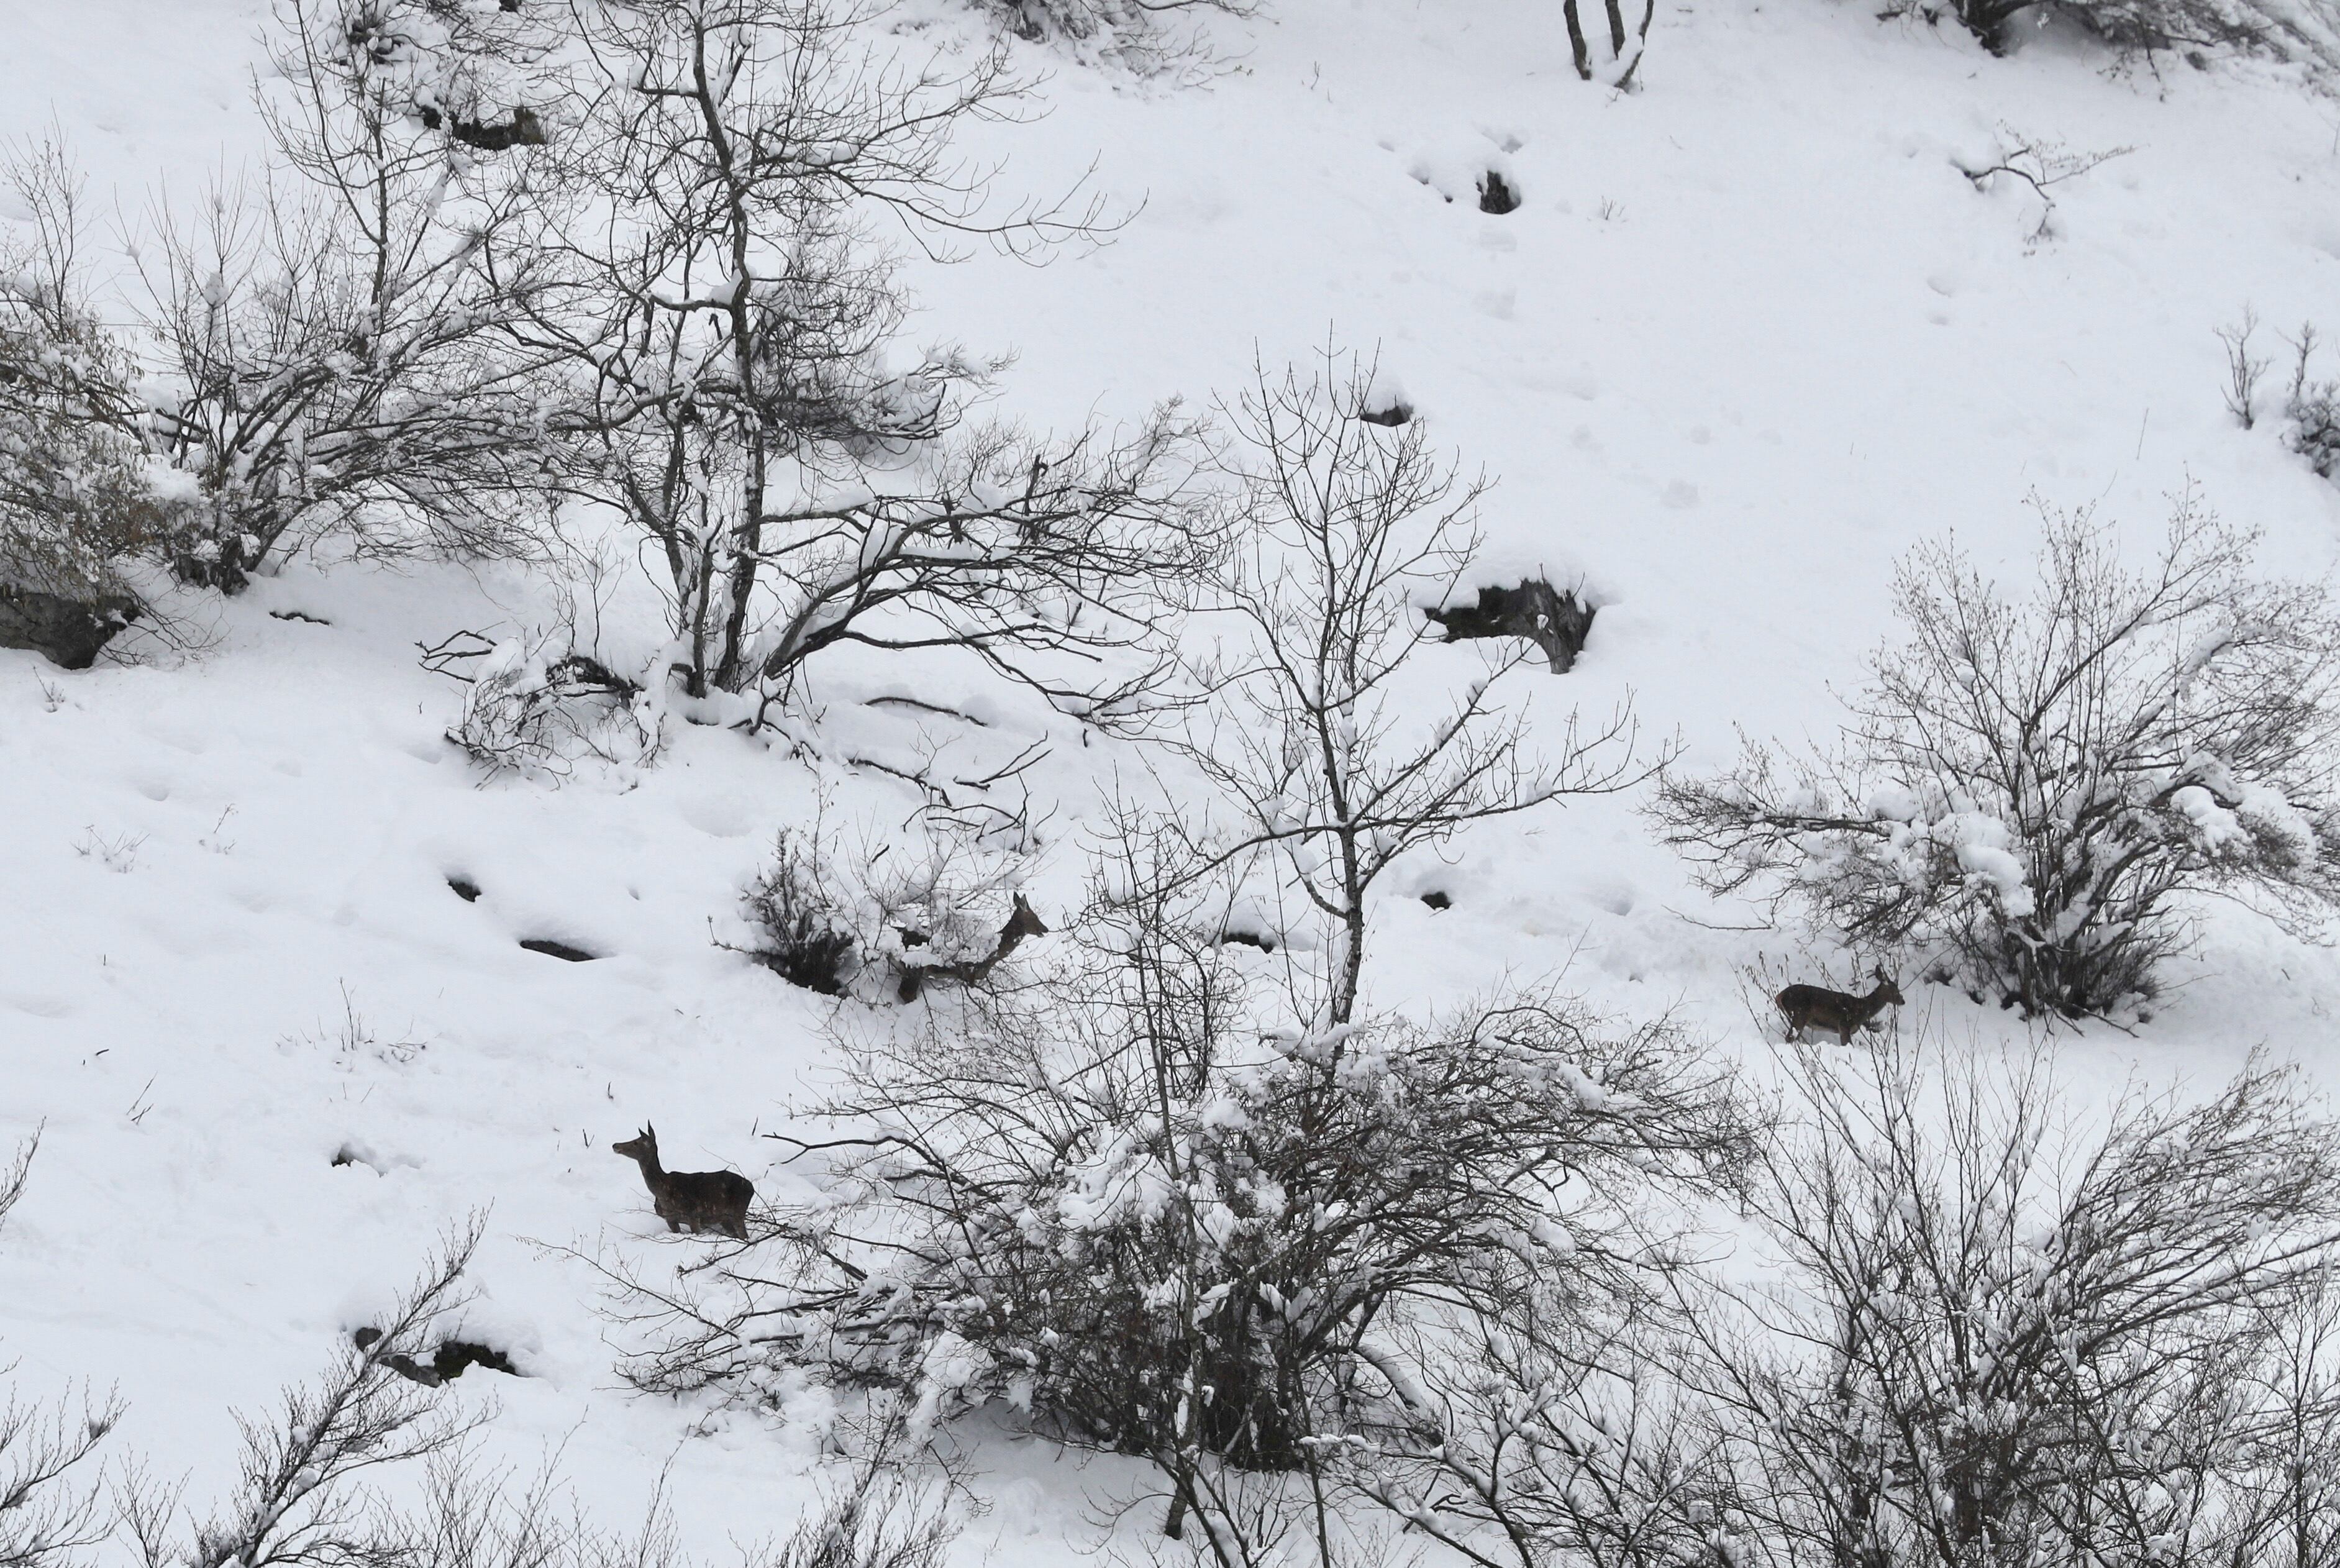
{"x":66,"y":631}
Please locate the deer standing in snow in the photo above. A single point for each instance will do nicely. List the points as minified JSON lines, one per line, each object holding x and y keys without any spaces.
{"x":693,"y":1200}
{"x":1806,"y":1005}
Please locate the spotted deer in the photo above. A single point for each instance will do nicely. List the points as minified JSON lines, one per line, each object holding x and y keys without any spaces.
{"x":696,"y":1201}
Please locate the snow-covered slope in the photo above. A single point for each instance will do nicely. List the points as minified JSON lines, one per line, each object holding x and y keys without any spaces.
{"x":1750,"y":335}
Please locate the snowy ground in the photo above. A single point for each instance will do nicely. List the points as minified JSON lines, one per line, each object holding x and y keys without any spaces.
{"x":1750,"y":335}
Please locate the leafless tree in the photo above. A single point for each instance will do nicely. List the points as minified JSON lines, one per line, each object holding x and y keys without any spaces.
{"x":302,"y":1502}
{"x":1566,"y":1436}
{"x":2031,"y":788}
{"x":47,"y":1519}
{"x":2002,"y":1340}
{"x":326,"y":336}
{"x":721,"y":346}
{"x":1347,"y":529}
{"x":1625,"y":50}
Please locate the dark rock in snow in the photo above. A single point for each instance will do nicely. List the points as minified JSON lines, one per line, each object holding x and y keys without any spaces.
{"x":67,"y":630}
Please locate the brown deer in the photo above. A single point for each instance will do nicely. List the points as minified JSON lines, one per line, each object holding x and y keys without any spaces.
{"x":1021,"y":923}
{"x":693,"y":1200}
{"x":1806,"y":1005}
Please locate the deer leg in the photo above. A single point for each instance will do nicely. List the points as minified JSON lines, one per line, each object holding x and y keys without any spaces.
{"x":1616,"y":29}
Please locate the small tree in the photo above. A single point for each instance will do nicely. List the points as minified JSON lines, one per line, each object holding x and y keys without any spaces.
{"x":2031,"y":790}
{"x":720,"y":347}
{"x":327,"y":342}
{"x":1348,"y":529}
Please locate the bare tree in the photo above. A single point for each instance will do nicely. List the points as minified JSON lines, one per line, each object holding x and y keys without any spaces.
{"x":1625,"y":51}
{"x":46,"y":1519}
{"x":1348,"y":529}
{"x":720,"y":348}
{"x":1566,"y":1436}
{"x":327,"y":339}
{"x":302,"y":1500}
{"x":2030,"y":789}
{"x":1995,"y":1345}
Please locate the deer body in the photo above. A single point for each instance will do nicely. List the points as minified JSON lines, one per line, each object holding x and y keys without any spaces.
{"x":690,"y":1200}
{"x":1807,"y":1005}
{"x":1021,"y":923}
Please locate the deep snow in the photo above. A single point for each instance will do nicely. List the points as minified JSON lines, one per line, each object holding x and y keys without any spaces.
{"x":1750,"y":335}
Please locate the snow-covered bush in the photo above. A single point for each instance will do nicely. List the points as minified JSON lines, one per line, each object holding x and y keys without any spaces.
{"x":2031,"y":789}
{"x":1128,"y":33}
{"x":804,"y":933}
{"x":2312,"y":409}
{"x":538,"y":705}
{"x":2302,"y":30}
{"x":940,"y":903}
{"x":1347,"y":531}
{"x":331,"y":359}
{"x":1121,"y":1201}
{"x":2003,"y":1338}
{"x":78,"y":495}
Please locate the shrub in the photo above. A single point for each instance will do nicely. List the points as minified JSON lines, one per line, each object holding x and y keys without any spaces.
{"x":802,"y":933}
{"x":77,"y":496}
{"x":2312,"y":408}
{"x":2002,"y":1338}
{"x":538,"y":705}
{"x":1107,"y":1199}
{"x":2031,"y":789}
{"x":1346,"y":529}
{"x":2309,"y":32}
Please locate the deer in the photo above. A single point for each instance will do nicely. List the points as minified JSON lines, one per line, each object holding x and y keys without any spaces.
{"x":1806,"y":1005}
{"x":1021,"y":923}
{"x":693,"y":1200}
